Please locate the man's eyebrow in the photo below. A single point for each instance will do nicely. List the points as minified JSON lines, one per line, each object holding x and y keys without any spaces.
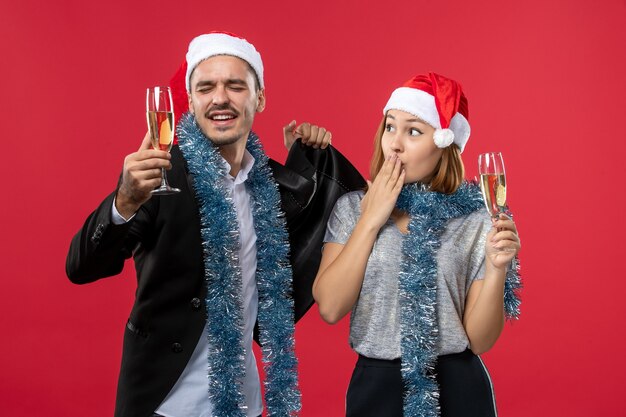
{"x":238,"y":81}
{"x":205,"y":82}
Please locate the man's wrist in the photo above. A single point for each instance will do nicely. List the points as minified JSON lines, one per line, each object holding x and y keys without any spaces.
{"x":122,"y":209}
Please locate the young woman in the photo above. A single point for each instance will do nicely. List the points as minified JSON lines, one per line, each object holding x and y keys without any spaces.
{"x":428,"y":276}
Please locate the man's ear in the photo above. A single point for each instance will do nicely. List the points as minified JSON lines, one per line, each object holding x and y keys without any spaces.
{"x":260,"y":106}
{"x":190,"y":103}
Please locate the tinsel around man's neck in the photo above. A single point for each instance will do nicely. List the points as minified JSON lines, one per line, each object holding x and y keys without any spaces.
{"x":223,"y":278}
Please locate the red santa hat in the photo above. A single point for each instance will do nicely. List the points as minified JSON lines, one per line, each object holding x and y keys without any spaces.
{"x":222,"y":43}
{"x":440,"y":102}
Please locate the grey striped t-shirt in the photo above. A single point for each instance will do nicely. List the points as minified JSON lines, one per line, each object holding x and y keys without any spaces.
{"x":374,"y":322}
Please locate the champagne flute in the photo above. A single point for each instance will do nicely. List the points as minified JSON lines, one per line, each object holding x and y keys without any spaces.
{"x":160,"y":116}
{"x":493,"y":182}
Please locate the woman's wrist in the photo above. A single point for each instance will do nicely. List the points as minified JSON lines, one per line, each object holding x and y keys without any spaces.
{"x":495,"y":272}
{"x":369,"y":224}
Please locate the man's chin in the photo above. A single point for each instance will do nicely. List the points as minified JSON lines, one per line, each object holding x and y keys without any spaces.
{"x":222,"y":138}
{"x":224,"y":141}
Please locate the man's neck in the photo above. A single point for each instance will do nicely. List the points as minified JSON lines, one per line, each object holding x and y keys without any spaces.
{"x":233,"y":154}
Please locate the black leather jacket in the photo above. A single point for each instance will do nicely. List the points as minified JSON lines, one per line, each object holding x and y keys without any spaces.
{"x":168,"y":314}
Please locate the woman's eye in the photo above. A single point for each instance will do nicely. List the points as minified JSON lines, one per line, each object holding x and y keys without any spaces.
{"x":414,"y":132}
{"x":389,"y":128}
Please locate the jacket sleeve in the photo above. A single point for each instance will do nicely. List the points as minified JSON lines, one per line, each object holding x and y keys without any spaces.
{"x":310,"y":182}
{"x":100,"y":247}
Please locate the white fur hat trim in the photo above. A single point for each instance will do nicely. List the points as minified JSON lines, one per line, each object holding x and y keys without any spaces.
{"x":212,"y":44}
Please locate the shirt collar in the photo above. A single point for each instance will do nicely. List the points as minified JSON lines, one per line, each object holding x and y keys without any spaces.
{"x":247,"y":162}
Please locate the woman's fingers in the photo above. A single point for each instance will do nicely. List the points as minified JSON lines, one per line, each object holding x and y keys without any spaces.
{"x":388,"y":169}
{"x":396,"y":171}
{"x":399,"y":183}
{"x":501,"y":224}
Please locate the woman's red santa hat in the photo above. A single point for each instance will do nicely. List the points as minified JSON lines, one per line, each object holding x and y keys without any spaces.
{"x":438,"y":101}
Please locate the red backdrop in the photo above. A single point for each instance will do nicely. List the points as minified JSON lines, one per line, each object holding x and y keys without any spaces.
{"x":545,"y":85}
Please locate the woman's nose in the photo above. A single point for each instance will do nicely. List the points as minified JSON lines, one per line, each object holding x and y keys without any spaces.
{"x":396,"y":144}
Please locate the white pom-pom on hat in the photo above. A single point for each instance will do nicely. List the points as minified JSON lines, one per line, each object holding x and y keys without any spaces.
{"x":443,"y":137}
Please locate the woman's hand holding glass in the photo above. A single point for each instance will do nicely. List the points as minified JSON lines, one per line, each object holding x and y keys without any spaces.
{"x":381,"y":196}
{"x":502,"y":243}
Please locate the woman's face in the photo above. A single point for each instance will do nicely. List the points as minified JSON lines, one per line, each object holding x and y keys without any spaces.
{"x":412,"y":140}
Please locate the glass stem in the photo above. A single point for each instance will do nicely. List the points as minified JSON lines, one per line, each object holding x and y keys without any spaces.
{"x":163,"y":178}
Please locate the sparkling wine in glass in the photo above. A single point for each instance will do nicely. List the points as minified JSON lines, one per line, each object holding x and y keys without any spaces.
{"x":493,"y":182}
{"x":160,"y":116}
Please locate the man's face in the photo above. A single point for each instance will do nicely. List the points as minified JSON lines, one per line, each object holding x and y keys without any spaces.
{"x":223,"y":99}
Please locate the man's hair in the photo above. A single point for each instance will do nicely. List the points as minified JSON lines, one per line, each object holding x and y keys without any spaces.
{"x":447,"y":175}
{"x":257,"y":83}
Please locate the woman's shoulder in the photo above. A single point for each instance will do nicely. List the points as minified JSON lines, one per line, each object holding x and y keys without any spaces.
{"x":350,"y":200}
{"x":479,"y":217}
{"x":348,"y":206}
{"x":478,"y":221}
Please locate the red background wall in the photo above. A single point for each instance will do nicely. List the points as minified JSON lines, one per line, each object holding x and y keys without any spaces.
{"x":545,"y":81}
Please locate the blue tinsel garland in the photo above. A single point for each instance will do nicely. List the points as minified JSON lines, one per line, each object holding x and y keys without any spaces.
{"x":429,"y":212}
{"x":220,"y":240}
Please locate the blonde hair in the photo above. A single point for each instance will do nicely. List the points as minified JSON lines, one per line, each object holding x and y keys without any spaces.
{"x":447,"y":175}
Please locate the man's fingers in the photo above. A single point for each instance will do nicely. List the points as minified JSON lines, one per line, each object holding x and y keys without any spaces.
{"x":147,"y":174}
{"x":147,"y":185}
{"x":290,"y":127}
{"x":318,"y":136}
{"x":148,"y":154}
{"x":312,"y":139}
{"x":146,"y":143}
{"x":327,"y":139}
{"x":304,"y":132}
{"x":142,"y":164}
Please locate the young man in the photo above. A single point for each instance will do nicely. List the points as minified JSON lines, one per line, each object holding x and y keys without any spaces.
{"x":214,"y":260}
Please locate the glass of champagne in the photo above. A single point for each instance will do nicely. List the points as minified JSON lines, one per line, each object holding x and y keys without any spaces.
{"x":160,"y":116}
{"x":493,"y":182}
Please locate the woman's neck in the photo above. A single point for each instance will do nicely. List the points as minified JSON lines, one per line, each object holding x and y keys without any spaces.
{"x":401,"y":219}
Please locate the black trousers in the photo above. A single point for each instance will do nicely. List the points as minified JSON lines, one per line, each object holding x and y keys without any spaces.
{"x":465,"y":389}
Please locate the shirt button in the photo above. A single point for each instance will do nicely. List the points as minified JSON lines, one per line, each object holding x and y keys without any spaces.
{"x":195,"y":303}
{"x":177,"y":347}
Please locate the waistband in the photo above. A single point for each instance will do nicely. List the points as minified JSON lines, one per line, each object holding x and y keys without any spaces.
{"x":396,"y":363}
